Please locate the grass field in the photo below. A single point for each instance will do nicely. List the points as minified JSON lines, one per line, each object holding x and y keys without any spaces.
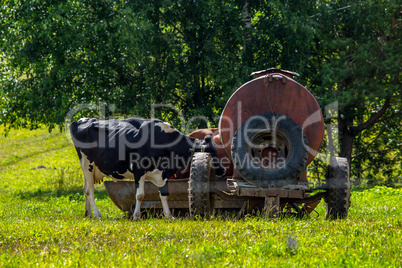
{"x":42,"y":224}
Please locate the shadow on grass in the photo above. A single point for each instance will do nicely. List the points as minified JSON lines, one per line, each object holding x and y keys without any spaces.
{"x":75,"y":193}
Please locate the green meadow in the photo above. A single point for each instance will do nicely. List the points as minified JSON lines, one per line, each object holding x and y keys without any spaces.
{"x":42,"y":223}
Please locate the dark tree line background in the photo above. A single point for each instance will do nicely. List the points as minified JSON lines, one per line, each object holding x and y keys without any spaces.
{"x":57,"y":54}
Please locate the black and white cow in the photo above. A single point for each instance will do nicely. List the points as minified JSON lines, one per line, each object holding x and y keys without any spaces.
{"x":140,"y":149}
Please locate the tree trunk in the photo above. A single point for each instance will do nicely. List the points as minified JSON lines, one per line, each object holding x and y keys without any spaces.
{"x":348,"y":132}
{"x":346,"y":140}
{"x":246,"y":20}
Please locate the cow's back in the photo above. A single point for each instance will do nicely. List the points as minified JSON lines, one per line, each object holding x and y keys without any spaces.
{"x":88,"y":131}
{"x":110,"y":144}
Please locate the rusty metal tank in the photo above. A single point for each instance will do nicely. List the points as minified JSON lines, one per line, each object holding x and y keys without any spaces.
{"x":273,"y":92}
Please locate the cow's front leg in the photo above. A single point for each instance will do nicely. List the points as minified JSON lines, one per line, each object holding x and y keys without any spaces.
{"x":164,"y":194}
{"x":139,"y":197}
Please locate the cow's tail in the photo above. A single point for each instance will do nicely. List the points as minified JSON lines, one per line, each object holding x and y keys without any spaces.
{"x":74,"y":129}
{"x":74,"y":132}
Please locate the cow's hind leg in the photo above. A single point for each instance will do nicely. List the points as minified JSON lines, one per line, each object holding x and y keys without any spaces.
{"x":89,"y":188}
{"x":90,"y":197}
{"x":88,"y":211}
{"x":163,"y":194}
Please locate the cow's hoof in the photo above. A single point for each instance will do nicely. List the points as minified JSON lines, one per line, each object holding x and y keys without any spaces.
{"x":136,"y":216}
{"x":169,"y":217}
{"x":88,"y":214}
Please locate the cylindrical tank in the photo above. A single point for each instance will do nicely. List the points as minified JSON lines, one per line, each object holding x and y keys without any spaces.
{"x":273,"y":92}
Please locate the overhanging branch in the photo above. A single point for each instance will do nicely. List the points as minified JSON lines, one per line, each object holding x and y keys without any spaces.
{"x":373,"y":119}
{"x":378,"y":151}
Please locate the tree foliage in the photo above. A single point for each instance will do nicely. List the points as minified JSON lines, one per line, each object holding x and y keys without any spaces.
{"x":56,"y":55}
{"x":358,"y":61}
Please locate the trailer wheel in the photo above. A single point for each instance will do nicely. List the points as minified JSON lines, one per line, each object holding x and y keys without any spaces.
{"x":270,"y":150}
{"x":199,"y":194}
{"x":338,"y":185}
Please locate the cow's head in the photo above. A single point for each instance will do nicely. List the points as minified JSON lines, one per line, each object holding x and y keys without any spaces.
{"x":206,"y":145}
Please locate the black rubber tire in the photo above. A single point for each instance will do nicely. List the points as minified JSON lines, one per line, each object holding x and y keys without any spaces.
{"x":278,"y":176}
{"x":338,"y":185}
{"x":199,"y":190}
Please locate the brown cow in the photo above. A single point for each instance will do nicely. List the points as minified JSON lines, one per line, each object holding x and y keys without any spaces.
{"x":222,"y":154}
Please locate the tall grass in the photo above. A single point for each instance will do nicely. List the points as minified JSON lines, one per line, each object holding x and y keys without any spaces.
{"x":42,"y":224}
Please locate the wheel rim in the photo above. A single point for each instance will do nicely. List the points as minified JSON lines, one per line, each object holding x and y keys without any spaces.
{"x":270,"y":149}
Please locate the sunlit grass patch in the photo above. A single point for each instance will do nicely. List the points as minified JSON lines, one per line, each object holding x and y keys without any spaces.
{"x":23,"y":144}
